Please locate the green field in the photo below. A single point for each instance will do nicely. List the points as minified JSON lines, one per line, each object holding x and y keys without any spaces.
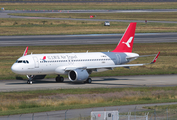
{"x":166,"y":63}
{"x":89,"y":6}
{"x":62,"y":99}
{"x":63,"y":27}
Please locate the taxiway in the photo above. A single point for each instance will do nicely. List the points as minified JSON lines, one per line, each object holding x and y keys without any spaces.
{"x":98,"y":82}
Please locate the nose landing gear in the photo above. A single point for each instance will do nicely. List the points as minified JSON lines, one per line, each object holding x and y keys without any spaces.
{"x":29,"y":82}
{"x":30,"y":78}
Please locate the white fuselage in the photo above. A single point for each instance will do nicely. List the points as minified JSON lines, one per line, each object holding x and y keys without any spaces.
{"x":56,"y":63}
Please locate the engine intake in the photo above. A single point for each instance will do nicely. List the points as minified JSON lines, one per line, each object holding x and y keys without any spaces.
{"x":78,"y":75}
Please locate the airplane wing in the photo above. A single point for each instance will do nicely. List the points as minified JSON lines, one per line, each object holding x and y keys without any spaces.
{"x":73,"y":68}
{"x":112,"y":66}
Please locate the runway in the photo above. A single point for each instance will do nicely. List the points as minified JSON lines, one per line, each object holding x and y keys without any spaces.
{"x":98,"y":82}
{"x":4,"y":14}
{"x":84,"y":39}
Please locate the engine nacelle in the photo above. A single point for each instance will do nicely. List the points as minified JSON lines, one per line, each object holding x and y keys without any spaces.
{"x":78,"y":75}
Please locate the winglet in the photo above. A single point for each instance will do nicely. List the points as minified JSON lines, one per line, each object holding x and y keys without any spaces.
{"x":155,"y":59}
{"x":25,"y":52}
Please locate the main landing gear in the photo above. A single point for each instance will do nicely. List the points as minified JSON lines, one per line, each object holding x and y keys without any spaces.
{"x":89,"y":80}
{"x":59,"y":79}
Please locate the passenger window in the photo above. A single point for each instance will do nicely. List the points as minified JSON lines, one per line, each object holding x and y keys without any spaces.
{"x":24,"y":61}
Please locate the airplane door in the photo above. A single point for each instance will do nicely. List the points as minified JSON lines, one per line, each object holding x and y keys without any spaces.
{"x":36,"y":62}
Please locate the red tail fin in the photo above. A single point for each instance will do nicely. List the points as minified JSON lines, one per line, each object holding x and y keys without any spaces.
{"x":126,"y":42}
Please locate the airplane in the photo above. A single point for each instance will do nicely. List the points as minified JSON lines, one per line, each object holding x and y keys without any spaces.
{"x":78,"y":66}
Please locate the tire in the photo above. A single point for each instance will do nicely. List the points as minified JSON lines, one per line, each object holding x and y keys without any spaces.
{"x":28,"y":82}
{"x":57,"y":79}
{"x":31,"y":82}
{"x":89,"y":80}
{"x":61,"y":79}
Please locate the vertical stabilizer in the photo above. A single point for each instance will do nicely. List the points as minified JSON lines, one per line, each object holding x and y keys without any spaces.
{"x":126,"y":42}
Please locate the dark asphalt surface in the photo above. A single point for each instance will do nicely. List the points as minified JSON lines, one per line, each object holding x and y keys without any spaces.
{"x":98,"y":82}
{"x":84,"y":39}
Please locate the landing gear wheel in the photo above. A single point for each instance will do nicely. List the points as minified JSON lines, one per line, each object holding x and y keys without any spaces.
{"x":29,"y":82}
{"x":89,"y":80}
{"x":59,"y":79}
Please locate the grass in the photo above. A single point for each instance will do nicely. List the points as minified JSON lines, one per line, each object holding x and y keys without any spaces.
{"x":157,"y":16}
{"x":166,"y":63}
{"x":89,"y":6}
{"x":164,"y":111}
{"x":56,"y":27}
{"x":62,"y":99}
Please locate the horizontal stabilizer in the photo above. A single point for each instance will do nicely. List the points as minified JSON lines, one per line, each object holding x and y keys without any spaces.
{"x":140,"y":56}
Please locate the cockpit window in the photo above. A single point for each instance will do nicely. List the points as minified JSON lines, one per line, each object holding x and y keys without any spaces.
{"x":22,"y":61}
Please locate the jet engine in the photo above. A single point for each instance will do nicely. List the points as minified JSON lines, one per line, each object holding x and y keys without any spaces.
{"x":78,"y":75}
{"x":31,"y":77}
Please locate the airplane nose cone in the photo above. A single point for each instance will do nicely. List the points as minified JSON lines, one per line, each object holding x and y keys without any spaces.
{"x":14,"y":68}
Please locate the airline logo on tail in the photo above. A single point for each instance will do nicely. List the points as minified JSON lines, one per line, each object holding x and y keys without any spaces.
{"x":128,"y":42}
